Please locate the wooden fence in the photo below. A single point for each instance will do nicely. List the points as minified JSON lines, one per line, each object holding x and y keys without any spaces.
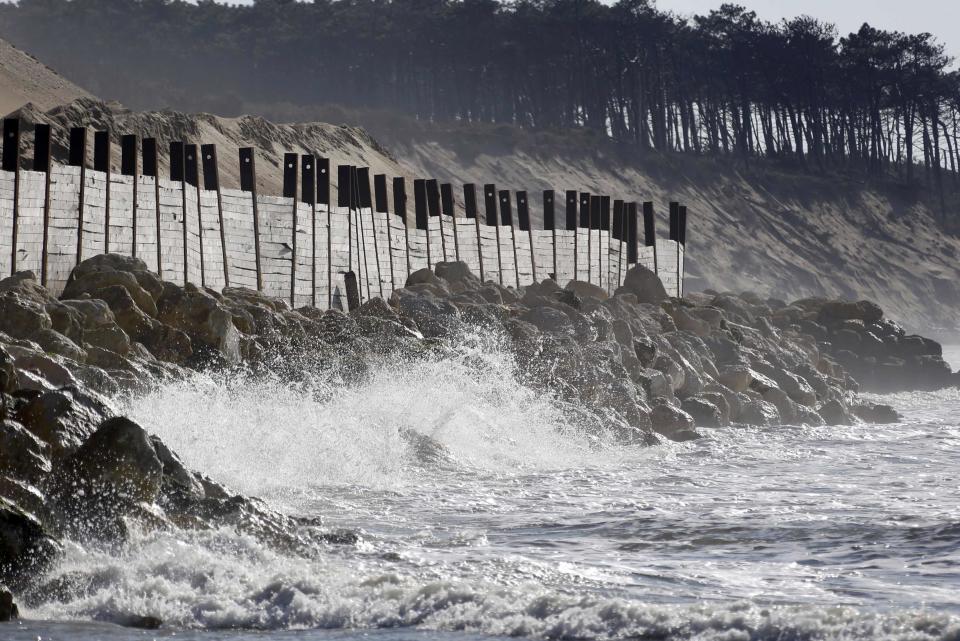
{"x":300,"y":246}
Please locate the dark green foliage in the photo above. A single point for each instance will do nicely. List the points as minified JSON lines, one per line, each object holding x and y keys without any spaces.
{"x":879,"y":102}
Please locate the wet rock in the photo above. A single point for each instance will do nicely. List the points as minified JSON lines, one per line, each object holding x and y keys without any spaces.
{"x":26,"y":548}
{"x":21,"y":317}
{"x":8,"y":376}
{"x":433,"y":316}
{"x":22,"y":453}
{"x":837,"y":311}
{"x":759,"y":412}
{"x":735,"y":378}
{"x":876,"y":413}
{"x":703,"y":411}
{"x":835,"y":413}
{"x":92,"y":283}
{"x":8,"y":609}
{"x":549,"y":320}
{"x":644,"y":284}
{"x":50,"y":369}
{"x":113,"y":471}
{"x":673,"y":423}
{"x":63,"y":418}
{"x":53,"y":342}
{"x":587,"y":290}
{"x":207,"y":322}
{"x":458,"y":275}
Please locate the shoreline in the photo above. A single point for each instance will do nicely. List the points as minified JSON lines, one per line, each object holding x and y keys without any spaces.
{"x":641,"y":366}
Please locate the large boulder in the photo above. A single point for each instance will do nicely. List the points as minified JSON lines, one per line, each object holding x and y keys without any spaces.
{"x":704,"y":411}
{"x":8,"y":609}
{"x":549,"y":320}
{"x":21,"y":452}
{"x":833,"y":312}
{"x":55,"y":343}
{"x":93,"y":283}
{"x":644,"y":284}
{"x":674,"y":423}
{"x":432,"y":315}
{"x":26,"y":548}
{"x":458,"y":275}
{"x":202,"y":317}
{"x":115,"y":472}
{"x":585,"y":290}
{"x":21,"y":317}
{"x":63,"y":418}
{"x":754,"y":411}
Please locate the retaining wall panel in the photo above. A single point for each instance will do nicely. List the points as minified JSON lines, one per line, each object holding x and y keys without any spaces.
{"x":147,"y":222}
{"x":62,"y":240}
{"x":6,"y":220}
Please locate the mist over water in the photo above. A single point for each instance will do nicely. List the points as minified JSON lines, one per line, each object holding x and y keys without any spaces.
{"x":486,"y":509}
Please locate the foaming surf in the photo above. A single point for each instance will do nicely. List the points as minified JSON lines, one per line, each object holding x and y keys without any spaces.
{"x":485,"y":509}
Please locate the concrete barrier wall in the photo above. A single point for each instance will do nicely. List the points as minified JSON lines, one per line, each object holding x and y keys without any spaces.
{"x":209,"y":238}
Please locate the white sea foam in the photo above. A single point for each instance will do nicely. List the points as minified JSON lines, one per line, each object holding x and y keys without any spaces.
{"x":515,"y":518}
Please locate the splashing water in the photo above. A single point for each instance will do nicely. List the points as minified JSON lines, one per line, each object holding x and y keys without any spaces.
{"x":511,"y":514}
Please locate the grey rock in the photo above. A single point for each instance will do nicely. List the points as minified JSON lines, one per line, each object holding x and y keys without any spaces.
{"x":644,"y":284}
{"x":27,"y":550}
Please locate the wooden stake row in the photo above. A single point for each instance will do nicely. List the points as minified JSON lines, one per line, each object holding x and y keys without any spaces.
{"x":306,"y":178}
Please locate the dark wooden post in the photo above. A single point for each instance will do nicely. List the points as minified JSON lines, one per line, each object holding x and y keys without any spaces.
{"x":675,"y":236}
{"x":366,"y":202}
{"x":11,"y":162}
{"x":248,"y":182}
{"x":343,"y":200}
{"x":290,"y":162}
{"x":308,"y":195}
{"x":323,"y":198}
{"x":353,"y":288}
{"x":211,"y":182}
{"x":177,"y":175}
{"x":400,"y":209}
{"x":446,"y":198}
{"x":128,"y":167}
{"x":490,"y":208}
{"x":420,"y":209}
{"x":192,"y":178}
{"x":41,"y":162}
{"x":682,"y":238}
{"x":506,"y":217}
{"x":78,"y":158}
{"x":585,"y":223}
{"x":361,"y":237}
{"x":617,"y":233}
{"x":151,"y":168}
{"x":595,"y":225}
{"x":380,"y":203}
{"x":550,"y":223}
{"x":604,"y":251}
{"x":101,"y":162}
{"x":632,"y":233}
{"x":523,"y":222}
{"x":433,"y":209}
{"x":649,"y":230}
{"x":470,"y":208}
{"x":573,"y":226}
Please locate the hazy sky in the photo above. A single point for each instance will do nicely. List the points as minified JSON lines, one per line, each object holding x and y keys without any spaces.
{"x":939,"y":17}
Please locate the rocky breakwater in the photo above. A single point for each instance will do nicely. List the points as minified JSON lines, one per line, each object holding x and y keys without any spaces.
{"x":638,"y":367}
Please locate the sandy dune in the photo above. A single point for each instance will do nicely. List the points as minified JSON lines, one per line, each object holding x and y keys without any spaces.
{"x":24,"y":79}
{"x":782,"y":233}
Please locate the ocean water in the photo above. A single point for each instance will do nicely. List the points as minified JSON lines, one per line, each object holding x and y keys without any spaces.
{"x":511,"y":515}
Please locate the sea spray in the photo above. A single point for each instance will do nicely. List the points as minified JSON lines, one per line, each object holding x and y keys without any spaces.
{"x":260,"y":432}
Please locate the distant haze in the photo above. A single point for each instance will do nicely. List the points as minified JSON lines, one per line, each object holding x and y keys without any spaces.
{"x":939,"y":17}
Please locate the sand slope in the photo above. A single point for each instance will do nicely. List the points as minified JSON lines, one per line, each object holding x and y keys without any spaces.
{"x":24,"y":79}
{"x":784,"y":234}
